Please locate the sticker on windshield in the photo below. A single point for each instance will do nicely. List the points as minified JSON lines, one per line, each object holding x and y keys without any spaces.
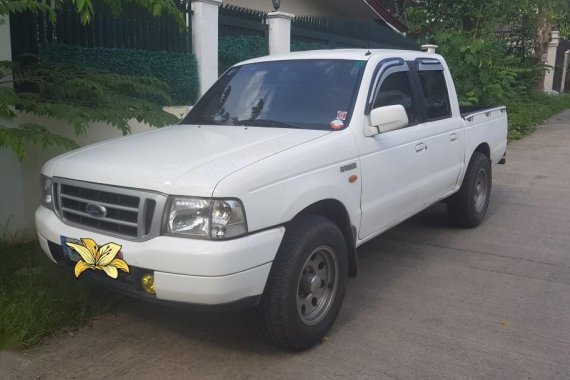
{"x":341,"y":115}
{"x":337,"y":124}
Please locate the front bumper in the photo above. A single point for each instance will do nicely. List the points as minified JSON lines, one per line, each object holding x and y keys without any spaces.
{"x":185,"y":270}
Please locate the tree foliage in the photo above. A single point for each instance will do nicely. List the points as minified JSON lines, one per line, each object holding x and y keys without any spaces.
{"x":72,"y":94}
{"x":76,"y":96}
{"x":484,"y":72}
{"x":493,"y":49}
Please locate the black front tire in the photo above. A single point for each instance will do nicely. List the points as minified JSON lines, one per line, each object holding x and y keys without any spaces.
{"x":467,"y":207}
{"x":310,"y":241}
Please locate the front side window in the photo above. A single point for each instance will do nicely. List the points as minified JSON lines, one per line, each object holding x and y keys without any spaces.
{"x":396,"y":89}
{"x":309,"y":94}
{"x":435,"y":94}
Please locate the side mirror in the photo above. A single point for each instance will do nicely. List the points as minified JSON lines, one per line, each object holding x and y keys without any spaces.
{"x":386,"y":119}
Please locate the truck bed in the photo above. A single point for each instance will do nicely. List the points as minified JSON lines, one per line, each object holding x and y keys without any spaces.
{"x":467,"y":111}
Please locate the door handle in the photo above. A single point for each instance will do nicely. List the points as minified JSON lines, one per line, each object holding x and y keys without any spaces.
{"x":420,"y":147}
{"x":453,"y":136}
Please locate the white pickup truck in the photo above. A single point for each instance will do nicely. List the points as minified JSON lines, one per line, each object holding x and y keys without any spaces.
{"x":262,"y":194}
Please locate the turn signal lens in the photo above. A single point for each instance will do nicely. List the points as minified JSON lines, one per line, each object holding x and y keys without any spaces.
{"x":147,"y":283}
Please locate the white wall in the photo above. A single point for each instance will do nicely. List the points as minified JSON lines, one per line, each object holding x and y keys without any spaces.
{"x":5,"y":44}
{"x":20,"y":180}
{"x":12,"y":208}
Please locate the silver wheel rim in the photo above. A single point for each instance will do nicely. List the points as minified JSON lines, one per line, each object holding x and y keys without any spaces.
{"x":317,"y":285}
{"x":480,"y":193}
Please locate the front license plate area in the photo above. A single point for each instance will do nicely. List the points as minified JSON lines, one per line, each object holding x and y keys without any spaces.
{"x":69,"y":253}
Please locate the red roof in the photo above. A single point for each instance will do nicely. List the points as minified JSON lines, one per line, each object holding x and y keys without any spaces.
{"x":386,"y":16}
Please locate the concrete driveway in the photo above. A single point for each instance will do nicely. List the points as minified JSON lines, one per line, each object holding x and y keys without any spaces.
{"x":430,"y":301}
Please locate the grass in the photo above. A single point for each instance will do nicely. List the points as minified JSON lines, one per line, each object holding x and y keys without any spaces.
{"x":37,"y":298}
{"x":524,"y":115}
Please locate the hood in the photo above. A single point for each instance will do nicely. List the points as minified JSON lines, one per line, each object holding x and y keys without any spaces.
{"x":177,"y":160}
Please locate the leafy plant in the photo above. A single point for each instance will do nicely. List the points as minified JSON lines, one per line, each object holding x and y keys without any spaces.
{"x":483,"y":69}
{"x":76,"y":95}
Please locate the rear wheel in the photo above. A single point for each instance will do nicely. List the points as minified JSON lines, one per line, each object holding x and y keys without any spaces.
{"x":306,"y":285}
{"x":467,"y":207}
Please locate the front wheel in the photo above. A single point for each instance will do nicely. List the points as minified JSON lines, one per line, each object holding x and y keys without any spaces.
{"x":467,"y":207}
{"x":306,"y":285}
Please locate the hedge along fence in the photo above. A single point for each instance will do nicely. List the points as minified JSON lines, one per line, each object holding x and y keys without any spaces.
{"x":243,"y":34}
{"x":178,"y":70}
{"x":303,"y":46}
{"x":232,"y":50}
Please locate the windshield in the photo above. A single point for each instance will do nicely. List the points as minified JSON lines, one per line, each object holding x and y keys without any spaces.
{"x":309,"y":94}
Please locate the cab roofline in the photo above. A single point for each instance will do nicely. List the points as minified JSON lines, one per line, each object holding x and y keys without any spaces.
{"x":348,"y":54}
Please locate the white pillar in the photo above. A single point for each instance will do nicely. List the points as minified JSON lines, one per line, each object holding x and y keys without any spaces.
{"x":564,"y":71}
{"x":279,"y":32}
{"x":551,"y":61}
{"x":430,"y":49}
{"x":205,"y":41}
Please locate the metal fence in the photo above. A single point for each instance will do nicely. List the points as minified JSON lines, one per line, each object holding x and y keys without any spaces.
{"x":563,"y":46}
{"x":238,"y":21}
{"x":328,"y":32}
{"x":133,"y":28}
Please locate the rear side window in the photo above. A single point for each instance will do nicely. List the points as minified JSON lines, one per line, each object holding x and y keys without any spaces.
{"x":435,"y":94}
{"x":395,"y":89}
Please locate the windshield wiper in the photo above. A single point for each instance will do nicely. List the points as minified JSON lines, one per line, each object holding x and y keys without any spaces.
{"x":264,"y":123}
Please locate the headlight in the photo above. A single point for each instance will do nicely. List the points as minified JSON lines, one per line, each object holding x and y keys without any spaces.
{"x":46,"y":189}
{"x":189,"y":216}
{"x":228,"y":219}
{"x":206,"y":218}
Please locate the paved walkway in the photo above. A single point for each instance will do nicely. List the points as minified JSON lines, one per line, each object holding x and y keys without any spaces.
{"x":430,"y":301}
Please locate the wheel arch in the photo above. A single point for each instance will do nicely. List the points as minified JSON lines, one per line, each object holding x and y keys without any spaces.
{"x":483,"y":148}
{"x":335,"y":211}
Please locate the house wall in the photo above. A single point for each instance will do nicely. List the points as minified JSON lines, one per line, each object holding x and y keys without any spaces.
{"x":21,"y":193}
{"x":357,"y":8}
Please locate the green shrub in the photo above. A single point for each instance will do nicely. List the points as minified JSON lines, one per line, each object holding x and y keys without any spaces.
{"x":526,"y":113}
{"x":483,"y":70}
{"x":178,"y":70}
{"x":486,"y":72}
{"x":232,"y":50}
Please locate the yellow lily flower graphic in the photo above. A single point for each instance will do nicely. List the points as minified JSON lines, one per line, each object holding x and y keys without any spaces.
{"x":98,"y":258}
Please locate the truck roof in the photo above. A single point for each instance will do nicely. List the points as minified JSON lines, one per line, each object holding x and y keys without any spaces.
{"x":349,"y":54}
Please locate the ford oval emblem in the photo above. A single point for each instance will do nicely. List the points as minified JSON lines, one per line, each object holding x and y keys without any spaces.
{"x":95,"y":210}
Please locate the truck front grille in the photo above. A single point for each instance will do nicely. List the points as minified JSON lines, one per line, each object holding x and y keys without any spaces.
{"x":118,"y":211}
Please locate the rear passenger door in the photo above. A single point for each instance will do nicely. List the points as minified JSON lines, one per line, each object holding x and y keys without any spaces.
{"x":446,"y":139}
